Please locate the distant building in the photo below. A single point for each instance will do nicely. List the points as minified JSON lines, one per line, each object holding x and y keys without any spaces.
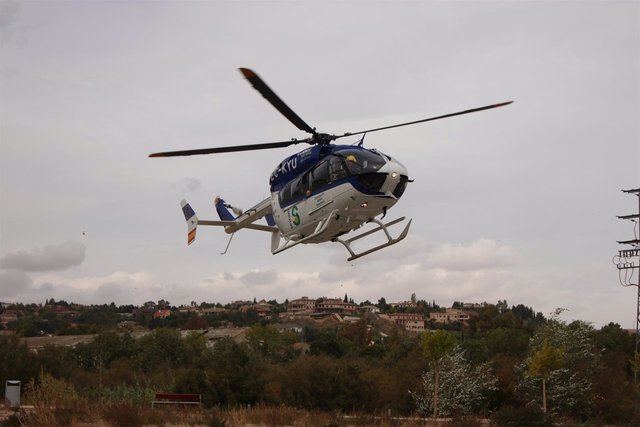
{"x":238,"y":304}
{"x":214,"y":335}
{"x":403,"y":304}
{"x":61,"y":310}
{"x":450,"y":315}
{"x":212,"y":310}
{"x":302,"y":304}
{"x":9,"y":316}
{"x":409,"y":321}
{"x":350,"y":319}
{"x":335,"y":305}
{"x":162,"y":313}
{"x":370,"y":309}
{"x":38,"y":343}
{"x":474,"y":304}
{"x":263,"y":308}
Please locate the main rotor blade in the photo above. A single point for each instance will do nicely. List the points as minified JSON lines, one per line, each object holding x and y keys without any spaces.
{"x":259,"y":85}
{"x":229,"y":149}
{"x":473,"y":110}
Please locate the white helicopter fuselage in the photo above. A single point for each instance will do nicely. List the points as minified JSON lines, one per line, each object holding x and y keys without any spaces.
{"x":349,"y":207}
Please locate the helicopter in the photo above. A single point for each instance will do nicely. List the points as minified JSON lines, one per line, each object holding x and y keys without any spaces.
{"x":321,"y":193}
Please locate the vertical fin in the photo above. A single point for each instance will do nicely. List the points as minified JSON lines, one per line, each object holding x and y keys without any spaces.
{"x":222,"y":210}
{"x":192,"y":221}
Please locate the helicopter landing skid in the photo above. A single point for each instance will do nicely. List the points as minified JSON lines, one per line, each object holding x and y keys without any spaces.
{"x":381,"y":226}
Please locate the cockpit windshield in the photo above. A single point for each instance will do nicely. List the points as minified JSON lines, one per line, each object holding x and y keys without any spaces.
{"x":361,"y":161}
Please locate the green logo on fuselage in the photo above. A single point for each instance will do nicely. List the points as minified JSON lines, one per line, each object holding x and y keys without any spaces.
{"x":295,"y":215}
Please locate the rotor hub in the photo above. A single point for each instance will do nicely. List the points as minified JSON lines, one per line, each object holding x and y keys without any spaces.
{"x":322,"y":138}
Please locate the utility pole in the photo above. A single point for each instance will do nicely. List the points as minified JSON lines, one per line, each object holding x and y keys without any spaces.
{"x":629,"y":260}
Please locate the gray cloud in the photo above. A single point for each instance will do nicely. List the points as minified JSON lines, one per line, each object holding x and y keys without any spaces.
{"x":8,"y":14}
{"x":479,"y":255}
{"x":259,"y":277}
{"x":13,"y":283}
{"x":46,"y":287}
{"x":111,"y":291}
{"x":191,"y":184}
{"x":49,"y":258}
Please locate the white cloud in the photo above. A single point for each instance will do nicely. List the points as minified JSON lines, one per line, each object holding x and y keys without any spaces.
{"x":259,"y":277}
{"x":49,"y":258}
{"x":479,"y":255}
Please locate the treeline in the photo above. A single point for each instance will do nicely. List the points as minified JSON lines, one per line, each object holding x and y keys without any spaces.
{"x":493,"y":368}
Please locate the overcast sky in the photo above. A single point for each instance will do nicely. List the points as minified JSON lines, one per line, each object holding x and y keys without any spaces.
{"x":517,"y":203}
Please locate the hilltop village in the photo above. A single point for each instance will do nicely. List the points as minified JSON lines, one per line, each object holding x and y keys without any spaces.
{"x":63,"y":323}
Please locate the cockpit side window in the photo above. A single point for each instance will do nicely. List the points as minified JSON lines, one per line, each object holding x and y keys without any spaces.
{"x":337,"y":169}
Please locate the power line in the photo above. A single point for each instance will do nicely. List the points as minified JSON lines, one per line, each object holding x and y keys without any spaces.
{"x":628,"y":261}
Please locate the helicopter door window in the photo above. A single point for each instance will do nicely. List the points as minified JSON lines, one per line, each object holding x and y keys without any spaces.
{"x":319,"y":176}
{"x":296,"y":189}
{"x":292,"y":190}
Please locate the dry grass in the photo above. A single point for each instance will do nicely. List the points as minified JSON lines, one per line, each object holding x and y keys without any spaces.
{"x":62,"y":413}
{"x":277,"y":416}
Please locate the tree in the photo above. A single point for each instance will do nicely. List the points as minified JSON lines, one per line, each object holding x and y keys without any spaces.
{"x":268,"y":341}
{"x":382,"y":304}
{"x":542,"y":363}
{"x":413,"y":298}
{"x":345,"y":298}
{"x":569,"y":387}
{"x":435,"y":346}
{"x":502,"y":305}
{"x":160,"y":349}
{"x":458,"y":389}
